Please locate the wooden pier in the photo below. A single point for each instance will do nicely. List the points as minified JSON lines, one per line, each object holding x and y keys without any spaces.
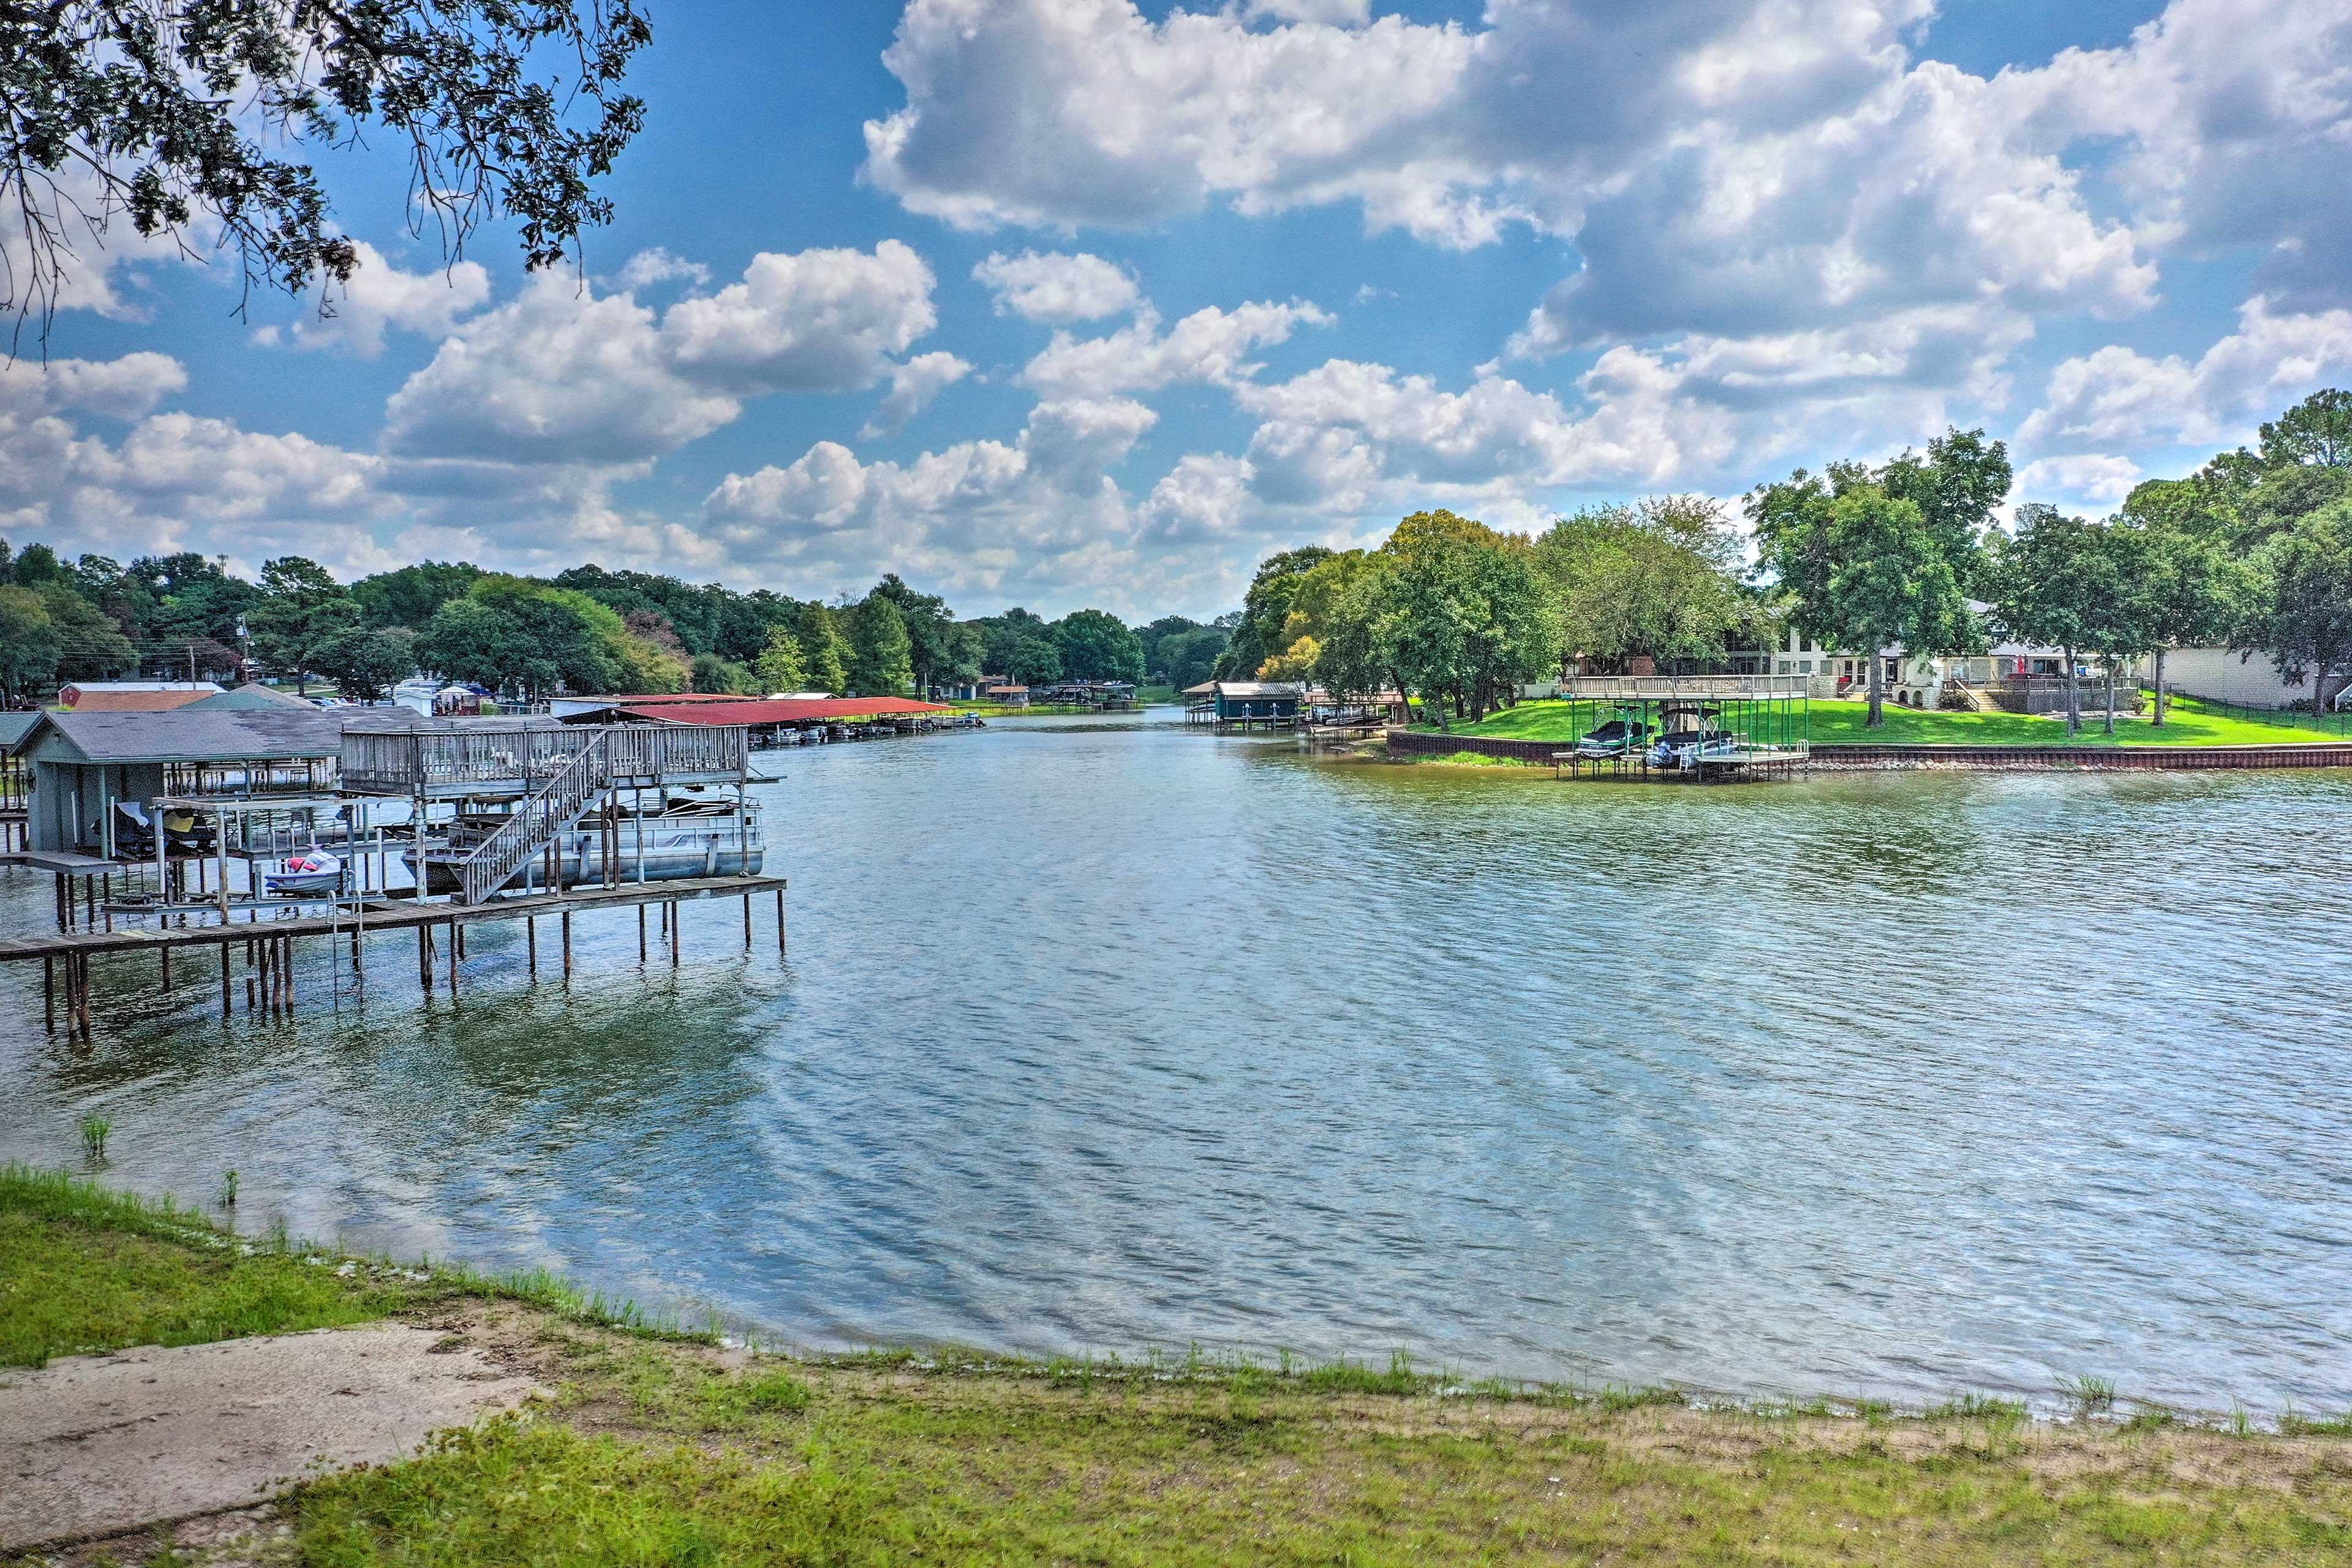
{"x":268,"y":944}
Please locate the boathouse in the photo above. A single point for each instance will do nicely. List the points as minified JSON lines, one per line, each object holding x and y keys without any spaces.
{"x":82,"y":769}
{"x":1275,"y":702}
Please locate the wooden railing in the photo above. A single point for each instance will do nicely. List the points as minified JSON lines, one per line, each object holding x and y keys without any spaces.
{"x":551,"y":808}
{"x":433,"y":761}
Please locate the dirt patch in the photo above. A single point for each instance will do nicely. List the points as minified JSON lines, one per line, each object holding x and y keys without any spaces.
{"x":97,"y":1445}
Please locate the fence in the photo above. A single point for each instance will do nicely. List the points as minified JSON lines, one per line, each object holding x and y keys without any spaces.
{"x":2338,"y":721}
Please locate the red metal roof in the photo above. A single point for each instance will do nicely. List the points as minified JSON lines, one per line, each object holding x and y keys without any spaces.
{"x":777,"y":710}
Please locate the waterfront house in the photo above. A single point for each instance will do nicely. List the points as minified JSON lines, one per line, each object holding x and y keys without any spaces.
{"x":1008,"y":696}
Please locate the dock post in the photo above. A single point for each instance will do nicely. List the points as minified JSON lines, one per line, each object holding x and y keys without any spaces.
{"x":454,"y":956}
{"x":85,"y":996}
{"x":747,"y":922}
{"x":671,"y":910}
{"x":567,"y":944}
{"x":225,"y":1008}
{"x":641,"y":934}
{"x":530,"y":939}
{"x":424,"y":958}
{"x":780,"y":922}
{"x":49,"y":992}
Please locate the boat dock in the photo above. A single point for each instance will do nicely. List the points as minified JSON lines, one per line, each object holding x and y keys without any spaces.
{"x":540,"y":820}
{"x":268,"y":943}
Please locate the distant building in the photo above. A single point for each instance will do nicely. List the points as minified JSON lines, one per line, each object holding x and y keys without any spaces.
{"x":1007,"y":695}
{"x":133,"y":696}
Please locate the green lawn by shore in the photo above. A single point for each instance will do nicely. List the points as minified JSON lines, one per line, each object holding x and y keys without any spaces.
{"x":657,"y":1451}
{"x":1841,"y":722}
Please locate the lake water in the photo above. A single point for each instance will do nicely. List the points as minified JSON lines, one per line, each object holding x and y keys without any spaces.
{"x":1107,"y":1035}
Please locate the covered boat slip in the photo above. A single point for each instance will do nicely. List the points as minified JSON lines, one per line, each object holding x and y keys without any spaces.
{"x":1695,"y":729}
{"x":496,"y":804}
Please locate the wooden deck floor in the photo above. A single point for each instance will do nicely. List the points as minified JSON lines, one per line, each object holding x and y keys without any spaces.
{"x":386,"y":914}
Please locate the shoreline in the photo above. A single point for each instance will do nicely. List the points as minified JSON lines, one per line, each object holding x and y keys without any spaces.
{"x":1395,"y":1370}
{"x":1406,"y":745}
{"x":611,"y":1438}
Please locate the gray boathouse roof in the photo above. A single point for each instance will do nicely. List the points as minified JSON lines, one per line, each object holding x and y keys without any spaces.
{"x":195,"y":734}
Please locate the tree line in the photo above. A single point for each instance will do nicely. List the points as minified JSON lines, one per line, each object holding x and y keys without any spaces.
{"x":585,"y":629}
{"x":2253,"y":551}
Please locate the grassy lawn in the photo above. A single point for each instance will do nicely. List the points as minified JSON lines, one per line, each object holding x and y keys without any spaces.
{"x":672,"y":1452}
{"x":1839,"y":721}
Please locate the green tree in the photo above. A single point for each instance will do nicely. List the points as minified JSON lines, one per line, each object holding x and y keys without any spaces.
{"x":176,"y":109}
{"x":2197,"y":592}
{"x":302,"y":607}
{"x":1956,"y":487}
{"x":1654,"y":580}
{"x":1265,"y":610}
{"x":1097,"y":646}
{"x":30,"y":643}
{"x":1862,"y":569}
{"x":409,"y":595}
{"x":1465,"y":617}
{"x":1001,"y":637}
{"x":825,"y":651}
{"x":1187,"y":658}
{"x":366,"y":662}
{"x":1036,"y":661}
{"x":881,"y":654}
{"x":487,"y":644}
{"x":2305,"y":616}
{"x":90,"y":645}
{"x":712,"y":673}
{"x":779,"y":666}
{"x":2317,"y":432}
{"x":932,"y":643}
{"x":2051,"y":584}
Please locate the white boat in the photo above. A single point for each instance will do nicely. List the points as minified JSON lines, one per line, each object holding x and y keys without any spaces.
{"x":311,"y":873}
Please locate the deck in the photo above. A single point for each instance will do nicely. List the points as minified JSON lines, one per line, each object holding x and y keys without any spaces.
{"x":441,"y":764}
{"x":381,"y":914}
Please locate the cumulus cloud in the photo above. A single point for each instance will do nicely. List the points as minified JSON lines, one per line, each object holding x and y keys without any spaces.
{"x":657,"y":264}
{"x":1209,"y":345}
{"x":380,"y":297}
{"x":1057,"y":289}
{"x":124,"y":388}
{"x":2098,"y":479}
{"x":562,"y":374}
{"x":1721,"y":166}
{"x":2120,"y":396}
{"x":912,"y":386}
{"x":967,"y":516}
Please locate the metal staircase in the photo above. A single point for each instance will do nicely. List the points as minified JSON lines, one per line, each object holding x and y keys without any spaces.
{"x":551,"y":810}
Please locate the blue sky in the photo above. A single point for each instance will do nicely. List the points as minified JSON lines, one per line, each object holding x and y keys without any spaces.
{"x":1068,"y":302}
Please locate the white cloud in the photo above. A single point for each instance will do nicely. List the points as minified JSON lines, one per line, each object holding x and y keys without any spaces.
{"x":560,"y":374}
{"x":1208,"y":345}
{"x":1058,"y":113}
{"x":912,"y":386}
{"x":1057,"y":289}
{"x":2119,"y":396}
{"x":1331,"y":13}
{"x":380,"y":297}
{"x":124,"y":388}
{"x":2231,"y":116}
{"x":2097,"y":480}
{"x":648,"y":268}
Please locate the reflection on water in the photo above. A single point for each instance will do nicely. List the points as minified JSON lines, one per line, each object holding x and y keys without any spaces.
{"x":1109,"y":1034}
